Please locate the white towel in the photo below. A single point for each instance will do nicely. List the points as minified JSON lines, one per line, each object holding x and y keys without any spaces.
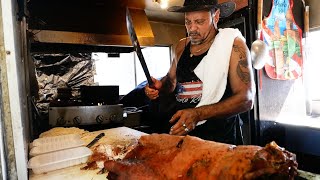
{"x":213,"y":69}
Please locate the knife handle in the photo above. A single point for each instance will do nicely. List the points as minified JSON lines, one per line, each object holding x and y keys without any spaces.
{"x":96,"y":139}
{"x":100,"y":136}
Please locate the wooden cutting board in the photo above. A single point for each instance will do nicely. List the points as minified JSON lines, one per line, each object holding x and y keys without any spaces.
{"x":120,"y":136}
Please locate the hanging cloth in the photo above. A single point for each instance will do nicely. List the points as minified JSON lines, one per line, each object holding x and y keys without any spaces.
{"x":283,"y":36}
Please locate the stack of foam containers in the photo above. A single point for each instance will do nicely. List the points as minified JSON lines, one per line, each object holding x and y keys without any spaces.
{"x":57,"y":152}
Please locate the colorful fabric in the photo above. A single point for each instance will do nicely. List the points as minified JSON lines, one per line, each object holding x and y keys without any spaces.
{"x":190,"y":90}
{"x":283,"y":36}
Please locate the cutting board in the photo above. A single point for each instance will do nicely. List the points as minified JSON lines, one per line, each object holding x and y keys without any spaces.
{"x":120,"y":136}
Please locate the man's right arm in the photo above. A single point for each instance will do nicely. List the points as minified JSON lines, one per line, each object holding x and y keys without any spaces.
{"x":168,"y":83}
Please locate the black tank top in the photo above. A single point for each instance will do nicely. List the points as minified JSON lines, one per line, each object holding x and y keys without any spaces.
{"x":189,"y":86}
{"x":185,"y":75}
{"x":187,"y":64}
{"x":221,"y":130}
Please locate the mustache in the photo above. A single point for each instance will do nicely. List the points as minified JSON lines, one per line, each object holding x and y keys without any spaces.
{"x":194,"y":33}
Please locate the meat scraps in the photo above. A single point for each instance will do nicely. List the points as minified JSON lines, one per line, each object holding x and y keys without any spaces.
{"x":104,"y":152}
{"x":162,"y":156}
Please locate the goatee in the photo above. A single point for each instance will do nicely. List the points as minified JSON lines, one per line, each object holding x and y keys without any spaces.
{"x":196,"y":42}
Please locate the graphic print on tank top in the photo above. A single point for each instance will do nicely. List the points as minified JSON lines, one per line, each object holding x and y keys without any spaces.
{"x":189,"y":86}
{"x":189,"y":92}
{"x":283,"y":36}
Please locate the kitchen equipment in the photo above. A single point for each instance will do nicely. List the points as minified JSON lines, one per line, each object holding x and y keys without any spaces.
{"x":59,"y":159}
{"x":96,"y":105}
{"x":259,"y":49}
{"x":96,"y":139}
{"x":136,"y":46}
{"x":259,"y":54}
{"x":85,"y":115}
{"x":55,"y":143}
{"x":99,"y":95}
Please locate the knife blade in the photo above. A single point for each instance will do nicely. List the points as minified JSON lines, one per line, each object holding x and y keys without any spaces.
{"x":136,"y":46}
{"x":96,"y":139}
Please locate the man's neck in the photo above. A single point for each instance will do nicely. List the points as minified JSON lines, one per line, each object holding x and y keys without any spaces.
{"x":212,"y":34}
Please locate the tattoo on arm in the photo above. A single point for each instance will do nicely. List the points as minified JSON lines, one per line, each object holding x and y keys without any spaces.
{"x":242,"y":67}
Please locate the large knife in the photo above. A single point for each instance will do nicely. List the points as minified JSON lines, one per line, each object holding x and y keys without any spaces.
{"x":136,"y":46}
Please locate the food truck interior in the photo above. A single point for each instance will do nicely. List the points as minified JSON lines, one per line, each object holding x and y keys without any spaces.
{"x":78,"y":68}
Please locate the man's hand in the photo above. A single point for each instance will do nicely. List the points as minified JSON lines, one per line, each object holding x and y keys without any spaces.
{"x":185,"y":121}
{"x":153,"y":92}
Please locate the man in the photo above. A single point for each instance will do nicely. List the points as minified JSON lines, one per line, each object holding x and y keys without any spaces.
{"x":211,"y":75}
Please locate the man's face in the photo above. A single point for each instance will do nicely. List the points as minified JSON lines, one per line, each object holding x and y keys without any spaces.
{"x":198,"y":25}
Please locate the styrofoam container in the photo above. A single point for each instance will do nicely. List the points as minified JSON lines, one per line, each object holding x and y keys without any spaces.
{"x":50,"y":144}
{"x":54,"y":139}
{"x":59,"y":159}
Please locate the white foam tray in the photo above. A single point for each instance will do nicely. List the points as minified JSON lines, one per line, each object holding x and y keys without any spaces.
{"x":51,"y":144}
{"x":59,"y":159}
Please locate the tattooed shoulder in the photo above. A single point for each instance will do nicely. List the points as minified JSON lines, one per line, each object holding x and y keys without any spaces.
{"x":242,"y":64}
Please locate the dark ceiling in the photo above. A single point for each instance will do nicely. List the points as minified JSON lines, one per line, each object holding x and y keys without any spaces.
{"x":90,"y":16}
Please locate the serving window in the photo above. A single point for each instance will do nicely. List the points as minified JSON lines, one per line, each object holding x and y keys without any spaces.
{"x":125,"y":69}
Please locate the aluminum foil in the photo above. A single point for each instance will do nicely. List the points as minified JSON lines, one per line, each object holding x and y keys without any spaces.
{"x":55,"y":71}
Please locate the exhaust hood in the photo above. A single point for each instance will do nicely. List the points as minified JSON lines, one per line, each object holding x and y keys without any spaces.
{"x":88,"y":22}
{"x":314,"y":14}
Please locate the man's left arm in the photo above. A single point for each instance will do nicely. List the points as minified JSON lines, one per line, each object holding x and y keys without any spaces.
{"x":242,"y":84}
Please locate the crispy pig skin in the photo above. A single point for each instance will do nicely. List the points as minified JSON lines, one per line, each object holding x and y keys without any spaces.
{"x":162,"y":156}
